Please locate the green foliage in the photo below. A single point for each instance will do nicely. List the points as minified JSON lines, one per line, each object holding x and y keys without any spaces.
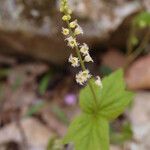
{"x":44,"y":83}
{"x":35,"y":108}
{"x":86,"y":102}
{"x":142,"y":20}
{"x":136,"y":43}
{"x":90,"y":130}
{"x":114,"y":97}
{"x":54,"y":144}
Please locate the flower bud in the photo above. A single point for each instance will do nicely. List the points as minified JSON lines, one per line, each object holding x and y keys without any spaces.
{"x":73,"y":24}
{"x":61,"y":9}
{"x":66,"y":17}
{"x":69,"y":11}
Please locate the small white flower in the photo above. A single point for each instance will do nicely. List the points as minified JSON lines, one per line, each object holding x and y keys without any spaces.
{"x":74,"y":61}
{"x":65,"y":31}
{"x":71,"y":42}
{"x":86,"y":74}
{"x":98,"y":81}
{"x":88,"y":58}
{"x":78,"y":30}
{"x":84,"y":49}
{"x":80,"y":79}
{"x":73,"y":24}
{"x":83,"y":76}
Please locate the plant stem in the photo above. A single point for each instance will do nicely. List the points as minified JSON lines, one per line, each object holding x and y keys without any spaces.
{"x":80,"y":58}
{"x":139,"y":49}
{"x":83,"y":67}
{"x":129,"y":44}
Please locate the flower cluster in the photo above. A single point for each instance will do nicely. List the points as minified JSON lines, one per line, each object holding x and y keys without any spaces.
{"x":71,"y":32}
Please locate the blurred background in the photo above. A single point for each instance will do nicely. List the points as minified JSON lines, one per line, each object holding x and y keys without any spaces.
{"x":38,"y":93}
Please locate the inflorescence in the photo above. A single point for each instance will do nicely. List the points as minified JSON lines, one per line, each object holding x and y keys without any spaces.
{"x":71,"y":32}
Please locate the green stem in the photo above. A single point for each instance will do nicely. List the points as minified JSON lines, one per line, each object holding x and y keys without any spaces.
{"x":129,"y":44}
{"x":80,"y":58}
{"x":139,"y":49}
{"x":83,"y":67}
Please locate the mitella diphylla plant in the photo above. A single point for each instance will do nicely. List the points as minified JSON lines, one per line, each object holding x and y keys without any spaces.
{"x":100,"y":101}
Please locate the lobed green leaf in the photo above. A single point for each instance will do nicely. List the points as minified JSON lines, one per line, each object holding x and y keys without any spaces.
{"x":89,"y":132}
{"x":112,"y":98}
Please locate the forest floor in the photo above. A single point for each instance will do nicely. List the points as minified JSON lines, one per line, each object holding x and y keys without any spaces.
{"x":38,"y":100}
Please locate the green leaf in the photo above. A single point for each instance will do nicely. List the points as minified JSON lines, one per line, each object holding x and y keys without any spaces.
{"x":88,"y":132}
{"x":111,"y":85}
{"x":54,"y":144}
{"x":86,"y":97}
{"x":116,"y":105}
{"x":44,"y":83}
{"x":114,"y":97}
{"x":142,"y":19}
